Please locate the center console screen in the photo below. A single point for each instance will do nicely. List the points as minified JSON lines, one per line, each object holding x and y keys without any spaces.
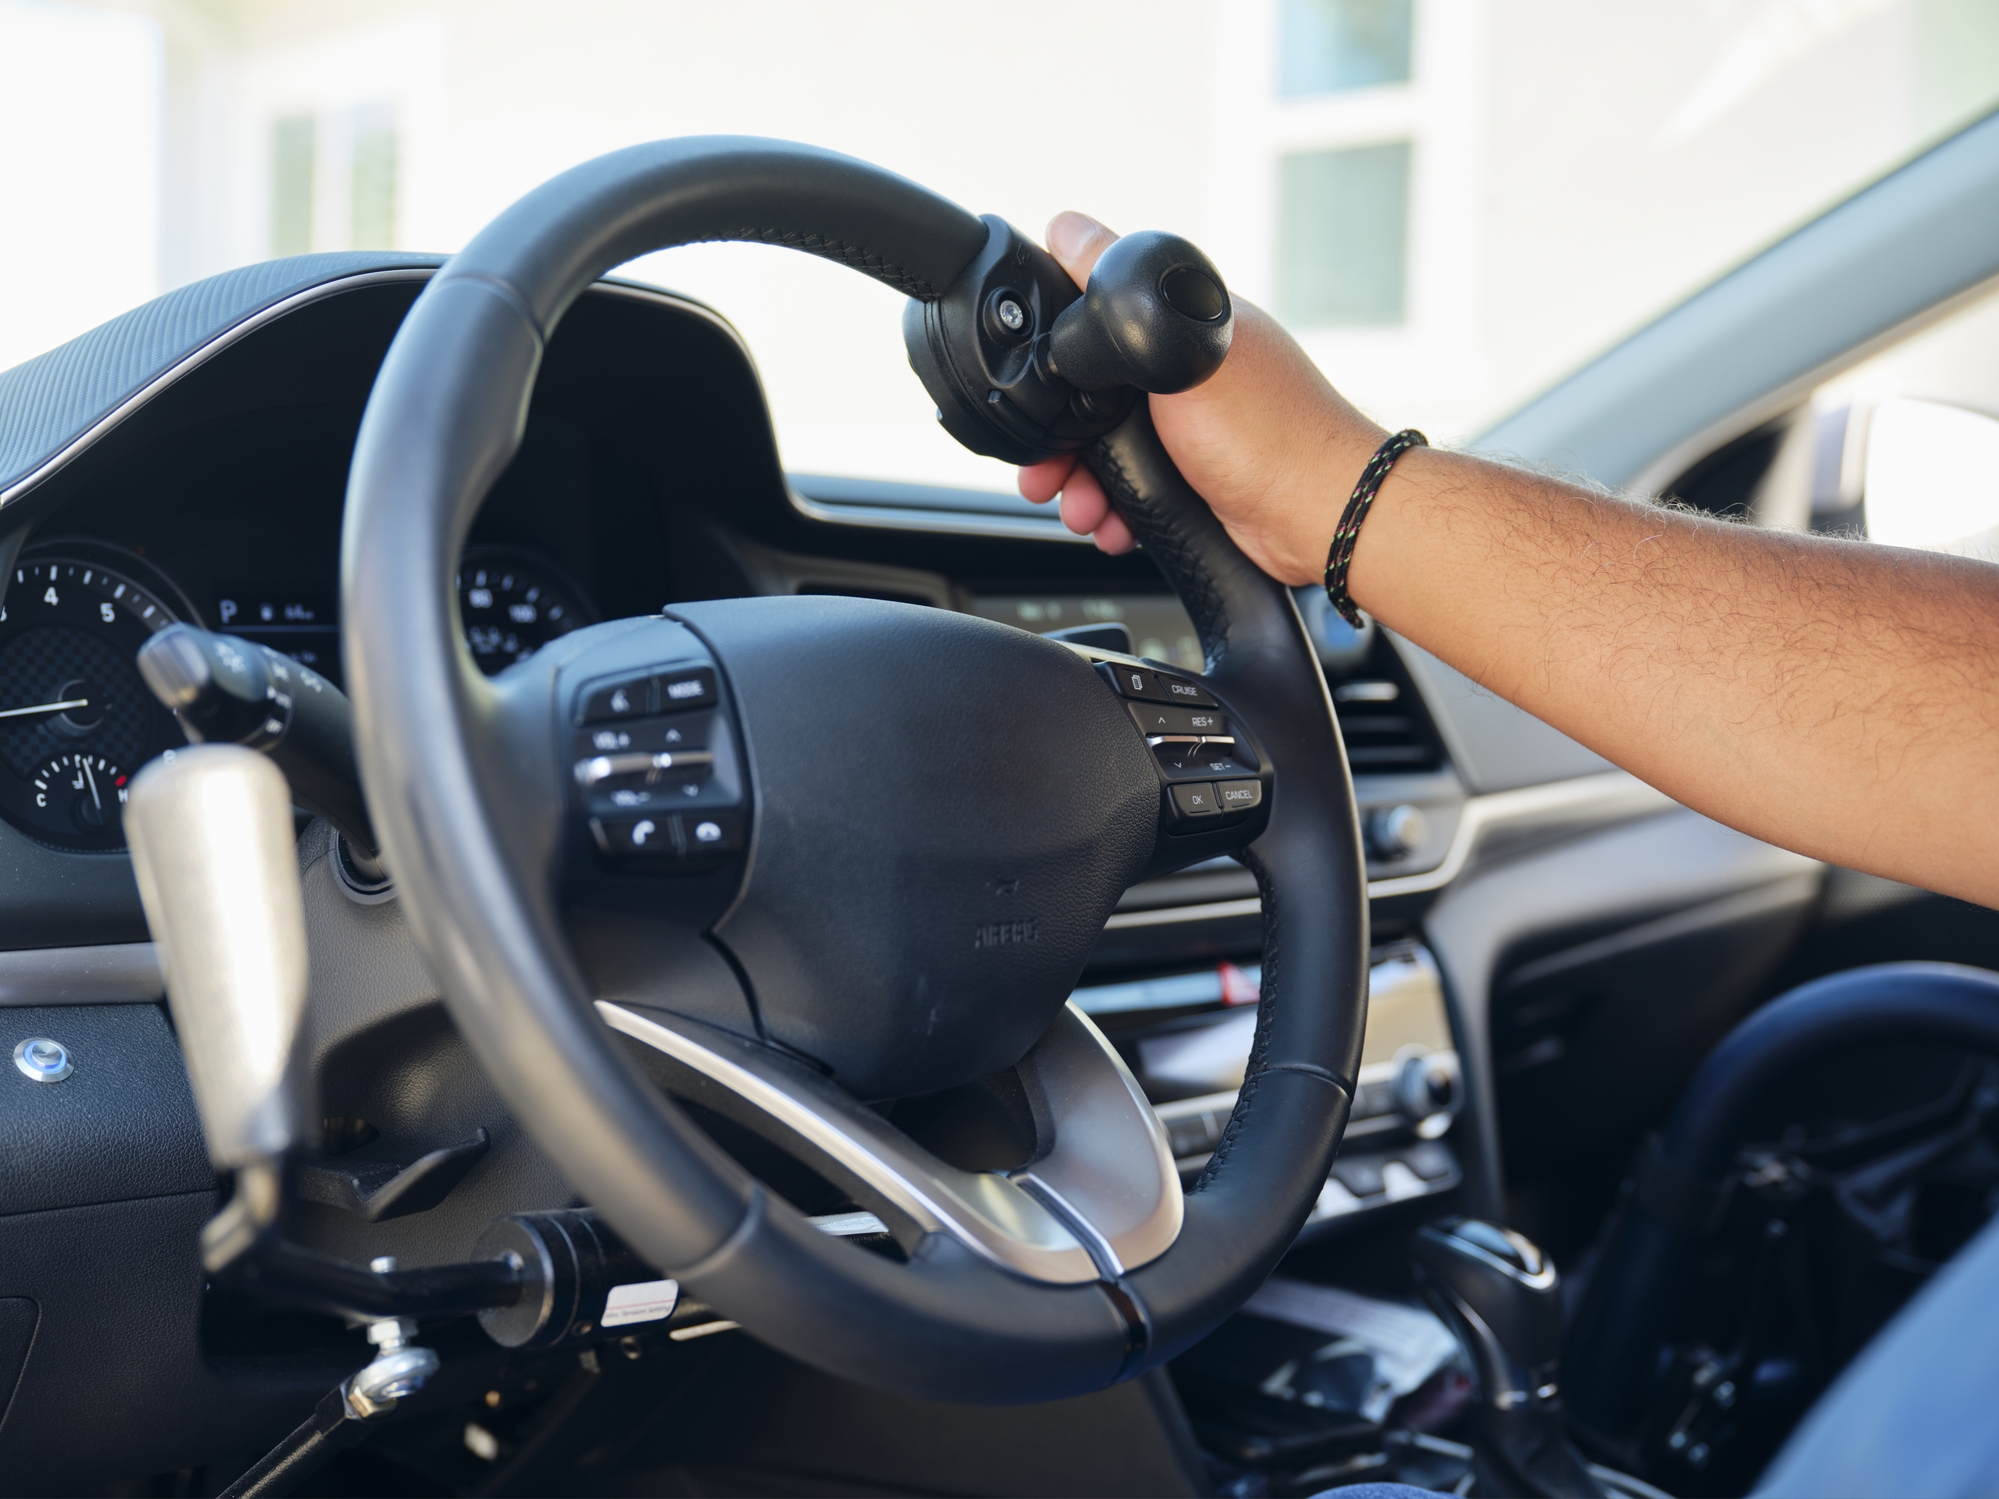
{"x":1158,"y":627}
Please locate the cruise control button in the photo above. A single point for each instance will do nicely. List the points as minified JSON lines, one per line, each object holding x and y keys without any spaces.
{"x":1162,"y":718}
{"x":1228,"y":759}
{"x":691,"y":687}
{"x":1194,"y":801}
{"x":634,"y":837}
{"x":1240,"y":796}
{"x":631,"y":698}
{"x":1180,"y":690}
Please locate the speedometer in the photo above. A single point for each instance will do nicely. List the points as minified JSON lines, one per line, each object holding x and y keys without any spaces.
{"x":75,"y":719}
{"x":512,"y":605}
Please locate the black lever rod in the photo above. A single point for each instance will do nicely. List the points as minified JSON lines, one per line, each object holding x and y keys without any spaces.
{"x":225,"y":689}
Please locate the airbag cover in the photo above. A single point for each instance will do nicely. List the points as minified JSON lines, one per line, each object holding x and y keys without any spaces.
{"x":946,"y":811}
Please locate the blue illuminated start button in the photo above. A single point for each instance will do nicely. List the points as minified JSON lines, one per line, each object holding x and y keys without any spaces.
{"x":43,"y":1060}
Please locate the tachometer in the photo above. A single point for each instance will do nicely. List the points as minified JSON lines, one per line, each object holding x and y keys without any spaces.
{"x":512,"y":605}
{"x":75,"y":719}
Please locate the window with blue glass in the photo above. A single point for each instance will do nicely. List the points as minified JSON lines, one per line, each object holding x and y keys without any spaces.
{"x":1343,"y":236}
{"x":1334,"y":45}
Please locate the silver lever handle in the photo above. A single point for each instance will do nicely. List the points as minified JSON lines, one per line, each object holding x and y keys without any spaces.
{"x":213,"y":847}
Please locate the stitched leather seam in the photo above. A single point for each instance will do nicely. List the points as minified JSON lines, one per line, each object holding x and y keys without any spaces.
{"x":1259,"y":1051}
{"x":1178,"y":556}
{"x":856,"y":257}
{"x":506,"y":293}
{"x":1306,"y":1069}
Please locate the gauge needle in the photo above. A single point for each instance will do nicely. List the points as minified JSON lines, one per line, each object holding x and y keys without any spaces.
{"x":95,"y":800}
{"x":75,"y":702}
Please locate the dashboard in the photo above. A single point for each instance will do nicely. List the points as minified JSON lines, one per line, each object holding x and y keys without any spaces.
{"x":205,"y":484}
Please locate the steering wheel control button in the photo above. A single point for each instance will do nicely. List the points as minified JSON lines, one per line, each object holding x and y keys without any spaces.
{"x":1240,"y":796}
{"x":43,"y":1060}
{"x":649,"y":838}
{"x":1194,"y":801}
{"x":1157,"y":686}
{"x":1161,"y":719}
{"x":665,"y":838}
{"x":1180,"y":690}
{"x":608,"y":701}
{"x":688,"y":688}
{"x":716,"y":833}
{"x":638,"y":763}
{"x":688,"y":731}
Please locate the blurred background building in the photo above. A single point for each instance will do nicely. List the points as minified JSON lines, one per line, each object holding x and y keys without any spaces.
{"x":1451,"y":202}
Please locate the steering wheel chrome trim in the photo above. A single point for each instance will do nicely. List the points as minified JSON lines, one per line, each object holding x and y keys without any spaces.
{"x":1103,"y":1198}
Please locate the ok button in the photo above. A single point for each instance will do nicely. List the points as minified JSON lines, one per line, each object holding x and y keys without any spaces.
{"x":1194,"y":801}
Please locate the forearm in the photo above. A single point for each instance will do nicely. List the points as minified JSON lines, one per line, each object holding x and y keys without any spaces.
{"x":1838,"y":698}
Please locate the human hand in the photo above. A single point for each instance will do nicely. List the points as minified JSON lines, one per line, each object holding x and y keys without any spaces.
{"x":1270,"y":445}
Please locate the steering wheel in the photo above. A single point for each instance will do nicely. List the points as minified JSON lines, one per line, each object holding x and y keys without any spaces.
{"x":796,"y":857}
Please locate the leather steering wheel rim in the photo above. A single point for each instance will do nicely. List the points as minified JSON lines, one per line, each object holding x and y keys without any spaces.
{"x":440,"y":754}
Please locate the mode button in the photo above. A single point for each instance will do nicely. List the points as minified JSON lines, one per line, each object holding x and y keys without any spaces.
{"x":690,"y":687}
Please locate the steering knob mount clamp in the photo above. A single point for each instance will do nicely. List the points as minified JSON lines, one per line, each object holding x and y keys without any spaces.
{"x":1022,"y":366}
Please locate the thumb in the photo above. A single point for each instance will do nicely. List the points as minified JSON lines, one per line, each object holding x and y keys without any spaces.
{"x":1076,"y":240}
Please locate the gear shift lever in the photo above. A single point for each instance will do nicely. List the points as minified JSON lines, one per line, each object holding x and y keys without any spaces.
{"x":1500,"y":1293}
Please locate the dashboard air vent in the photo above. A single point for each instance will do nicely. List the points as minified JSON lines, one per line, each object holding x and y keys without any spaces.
{"x":1383,"y":722}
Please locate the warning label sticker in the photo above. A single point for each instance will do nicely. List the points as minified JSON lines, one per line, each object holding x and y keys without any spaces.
{"x":643,"y":1301}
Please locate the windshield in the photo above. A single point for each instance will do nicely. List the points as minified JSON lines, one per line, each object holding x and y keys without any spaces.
{"x":1451,"y":202}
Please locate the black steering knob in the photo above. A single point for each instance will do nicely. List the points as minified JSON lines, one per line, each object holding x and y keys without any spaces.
{"x":1155,"y":316}
{"x":1503,"y":1297}
{"x":1022,"y":365}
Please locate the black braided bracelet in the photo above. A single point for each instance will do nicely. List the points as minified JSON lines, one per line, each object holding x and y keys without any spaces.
{"x":1340,"y":558}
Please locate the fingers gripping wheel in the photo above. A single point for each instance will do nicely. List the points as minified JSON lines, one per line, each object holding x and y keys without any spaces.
{"x":1022,"y":366}
{"x":814,"y":957}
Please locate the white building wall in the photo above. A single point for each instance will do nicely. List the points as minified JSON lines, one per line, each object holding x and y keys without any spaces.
{"x":1578,"y":165}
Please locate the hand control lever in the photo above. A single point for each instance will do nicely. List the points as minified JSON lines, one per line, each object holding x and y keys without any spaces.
{"x":226,"y":690}
{"x":212,"y":846}
{"x":1503,"y":1297}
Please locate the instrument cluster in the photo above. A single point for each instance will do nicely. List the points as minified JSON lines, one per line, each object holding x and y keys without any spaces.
{"x":77,"y":721}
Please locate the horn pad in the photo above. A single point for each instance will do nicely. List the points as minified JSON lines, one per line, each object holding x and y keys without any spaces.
{"x":946,"y":812}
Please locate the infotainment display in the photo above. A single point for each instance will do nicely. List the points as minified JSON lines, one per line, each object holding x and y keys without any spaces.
{"x":1159,"y":627}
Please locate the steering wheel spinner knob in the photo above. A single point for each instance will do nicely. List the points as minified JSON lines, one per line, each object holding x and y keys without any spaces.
{"x":1022,"y":366}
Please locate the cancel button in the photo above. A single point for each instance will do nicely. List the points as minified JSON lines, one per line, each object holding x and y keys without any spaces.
{"x":1239,"y":796}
